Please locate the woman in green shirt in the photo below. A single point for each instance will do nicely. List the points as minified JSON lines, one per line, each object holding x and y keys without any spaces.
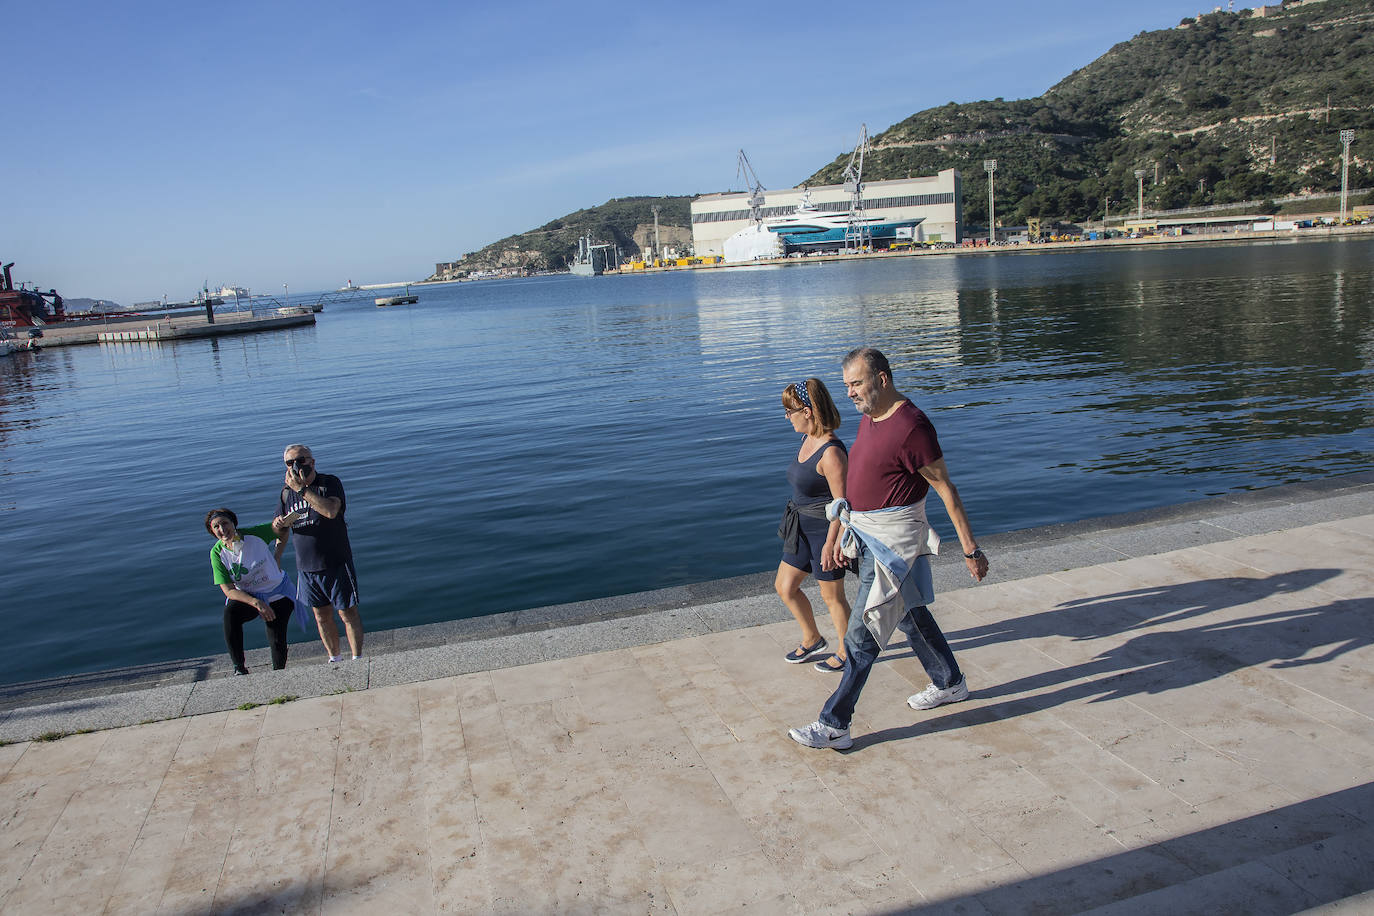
{"x":245,"y":568}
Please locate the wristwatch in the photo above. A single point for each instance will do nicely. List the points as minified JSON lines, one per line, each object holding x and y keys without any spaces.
{"x":977,"y":552}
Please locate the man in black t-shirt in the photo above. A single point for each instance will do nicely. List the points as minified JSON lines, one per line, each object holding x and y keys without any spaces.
{"x":312,"y":505}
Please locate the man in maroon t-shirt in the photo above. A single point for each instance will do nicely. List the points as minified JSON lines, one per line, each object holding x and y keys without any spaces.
{"x":895,"y":461}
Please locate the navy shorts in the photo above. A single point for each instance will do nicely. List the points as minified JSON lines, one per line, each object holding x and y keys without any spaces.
{"x":810,"y":540}
{"x":337,"y":586}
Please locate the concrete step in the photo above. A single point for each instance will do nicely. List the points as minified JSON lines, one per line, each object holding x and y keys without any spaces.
{"x":1332,"y":875}
{"x":1358,"y":905}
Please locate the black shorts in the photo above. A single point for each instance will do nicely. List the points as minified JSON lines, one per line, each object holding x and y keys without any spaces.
{"x":810,"y":542}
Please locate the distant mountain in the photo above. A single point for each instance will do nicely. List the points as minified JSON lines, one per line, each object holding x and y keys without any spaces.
{"x":90,"y":305}
{"x":1226,"y":107}
{"x":626,"y":222}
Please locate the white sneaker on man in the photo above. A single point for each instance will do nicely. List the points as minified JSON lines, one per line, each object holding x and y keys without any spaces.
{"x":933,"y":696}
{"x":818,"y":734}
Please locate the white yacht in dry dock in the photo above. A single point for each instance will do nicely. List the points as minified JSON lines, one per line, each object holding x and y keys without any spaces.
{"x":809,"y":228}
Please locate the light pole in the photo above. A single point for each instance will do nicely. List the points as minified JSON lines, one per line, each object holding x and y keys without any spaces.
{"x":1139,"y":194}
{"x":990,"y":166}
{"x":656,"y":249}
{"x":1347,"y":137}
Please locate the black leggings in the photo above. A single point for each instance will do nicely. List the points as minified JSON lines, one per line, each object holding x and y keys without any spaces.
{"x":236,"y":614}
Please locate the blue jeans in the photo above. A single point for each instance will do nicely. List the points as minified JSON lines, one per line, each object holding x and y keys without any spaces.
{"x":862,"y":650}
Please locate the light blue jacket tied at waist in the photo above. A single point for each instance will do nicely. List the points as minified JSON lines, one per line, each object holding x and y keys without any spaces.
{"x":901,"y":541}
{"x":285,"y":588}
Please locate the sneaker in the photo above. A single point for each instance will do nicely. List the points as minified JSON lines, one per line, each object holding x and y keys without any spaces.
{"x":933,"y":696}
{"x":335,"y":658}
{"x":238,"y":672}
{"x":818,"y":734}
{"x":804,"y":653}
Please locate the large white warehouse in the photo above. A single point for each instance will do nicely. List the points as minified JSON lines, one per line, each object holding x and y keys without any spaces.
{"x":932,"y":201}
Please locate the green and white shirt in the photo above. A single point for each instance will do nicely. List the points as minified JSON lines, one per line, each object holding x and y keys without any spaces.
{"x":248,"y":564}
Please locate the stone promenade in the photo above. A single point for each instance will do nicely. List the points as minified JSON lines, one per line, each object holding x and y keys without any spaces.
{"x":1172,"y":713}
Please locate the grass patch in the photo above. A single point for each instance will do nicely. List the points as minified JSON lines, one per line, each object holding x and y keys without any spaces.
{"x":58,"y":736}
{"x":276,"y":701}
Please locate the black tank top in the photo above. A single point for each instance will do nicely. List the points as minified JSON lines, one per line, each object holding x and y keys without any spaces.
{"x":809,"y":485}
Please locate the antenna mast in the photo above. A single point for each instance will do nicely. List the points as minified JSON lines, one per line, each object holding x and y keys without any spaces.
{"x":856,"y":234}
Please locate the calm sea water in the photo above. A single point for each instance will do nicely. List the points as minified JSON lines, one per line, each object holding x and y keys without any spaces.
{"x":521,"y":443}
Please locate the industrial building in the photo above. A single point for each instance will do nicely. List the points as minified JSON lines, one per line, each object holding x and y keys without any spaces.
{"x":934,"y":202}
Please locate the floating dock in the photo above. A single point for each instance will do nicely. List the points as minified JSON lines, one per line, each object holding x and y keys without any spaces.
{"x":166,"y":329}
{"x":406,"y":298}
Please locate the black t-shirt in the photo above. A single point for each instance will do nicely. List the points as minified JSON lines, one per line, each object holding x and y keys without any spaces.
{"x":320,"y":542}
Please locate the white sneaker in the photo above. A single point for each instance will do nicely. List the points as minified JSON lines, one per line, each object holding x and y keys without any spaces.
{"x":933,"y":696}
{"x":335,"y":658}
{"x":818,"y":734}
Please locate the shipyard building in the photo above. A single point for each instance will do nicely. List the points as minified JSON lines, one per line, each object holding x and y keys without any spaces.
{"x":929,"y":206}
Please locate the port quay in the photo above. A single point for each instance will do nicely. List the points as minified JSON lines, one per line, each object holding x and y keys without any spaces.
{"x":630,"y":756}
{"x":1229,"y":230}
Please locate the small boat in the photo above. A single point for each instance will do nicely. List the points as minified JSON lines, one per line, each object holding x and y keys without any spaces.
{"x":407,"y":299}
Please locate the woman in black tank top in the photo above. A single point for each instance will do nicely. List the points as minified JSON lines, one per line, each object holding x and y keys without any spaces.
{"x":809,"y":541}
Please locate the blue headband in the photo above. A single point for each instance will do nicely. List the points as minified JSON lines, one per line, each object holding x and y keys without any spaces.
{"x":802,"y":394}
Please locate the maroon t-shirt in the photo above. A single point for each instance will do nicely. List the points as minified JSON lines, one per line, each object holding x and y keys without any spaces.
{"x":885,"y":459}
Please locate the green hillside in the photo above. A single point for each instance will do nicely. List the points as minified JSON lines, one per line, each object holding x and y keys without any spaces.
{"x":1227,"y":107}
{"x":552,"y":245}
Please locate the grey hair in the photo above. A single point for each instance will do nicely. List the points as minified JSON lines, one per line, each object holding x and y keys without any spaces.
{"x":872,"y":358}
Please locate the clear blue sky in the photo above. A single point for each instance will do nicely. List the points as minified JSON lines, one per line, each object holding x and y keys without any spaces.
{"x":151,"y":147}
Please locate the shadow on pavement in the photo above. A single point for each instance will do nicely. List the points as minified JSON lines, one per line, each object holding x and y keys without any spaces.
{"x":1165,"y":656}
{"x":1297,"y":856}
